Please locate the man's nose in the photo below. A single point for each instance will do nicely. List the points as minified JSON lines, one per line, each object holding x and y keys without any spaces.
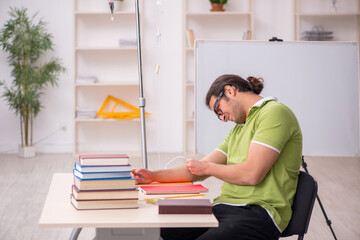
{"x":222,"y":117}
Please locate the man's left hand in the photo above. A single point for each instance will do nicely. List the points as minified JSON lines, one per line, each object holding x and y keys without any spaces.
{"x":197,"y":167}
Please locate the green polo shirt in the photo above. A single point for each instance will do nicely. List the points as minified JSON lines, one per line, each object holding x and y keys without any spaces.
{"x":273,"y":125}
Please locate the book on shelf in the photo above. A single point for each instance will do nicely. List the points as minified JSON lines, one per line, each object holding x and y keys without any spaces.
{"x":190,"y":38}
{"x":102,"y":175}
{"x":102,"y":169}
{"x":103,"y":159}
{"x":108,"y":184}
{"x":247,"y":35}
{"x":104,"y":204}
{"x":127,"y":42}
{"x":173,"y":189}
{"x":85,"y":112}
{"x":185,"y":206}
{"x":104,"y":194}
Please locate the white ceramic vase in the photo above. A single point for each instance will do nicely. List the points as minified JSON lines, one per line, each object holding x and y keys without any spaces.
{"x":117,"y":6}
{"x":26,"y":151}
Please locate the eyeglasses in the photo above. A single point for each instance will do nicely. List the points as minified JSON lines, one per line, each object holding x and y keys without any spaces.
{"x":217,"y":110}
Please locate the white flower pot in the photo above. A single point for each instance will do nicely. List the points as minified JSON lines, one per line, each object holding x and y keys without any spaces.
{"x":26,"y":152}
{"x":117,"y":6}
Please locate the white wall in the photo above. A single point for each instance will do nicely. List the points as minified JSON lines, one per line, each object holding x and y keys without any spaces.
{"x":163,"y":92}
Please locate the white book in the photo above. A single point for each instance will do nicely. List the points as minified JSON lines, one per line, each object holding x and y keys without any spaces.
{"x":101,"y":169}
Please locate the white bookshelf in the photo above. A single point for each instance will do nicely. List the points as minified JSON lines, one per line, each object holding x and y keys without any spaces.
{"x":230,"y":24}
{"x":97,"y":53}
{"x":344,"y":21}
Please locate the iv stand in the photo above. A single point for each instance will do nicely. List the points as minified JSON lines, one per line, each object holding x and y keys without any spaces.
{"x":142,"y":101}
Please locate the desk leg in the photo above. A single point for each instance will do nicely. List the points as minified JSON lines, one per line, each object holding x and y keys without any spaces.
{"x":75,"y":233}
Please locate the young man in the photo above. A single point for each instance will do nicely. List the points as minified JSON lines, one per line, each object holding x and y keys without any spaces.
{"x":258,"y":161}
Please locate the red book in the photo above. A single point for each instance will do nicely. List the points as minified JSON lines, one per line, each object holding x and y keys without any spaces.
{"x":103,"y":159}
{"x":185,"y":206}
{"x":162,"y":183}
{"x":173,"y":189}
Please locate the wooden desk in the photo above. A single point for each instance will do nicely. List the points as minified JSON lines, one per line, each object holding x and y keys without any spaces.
{"x":58,"y":212}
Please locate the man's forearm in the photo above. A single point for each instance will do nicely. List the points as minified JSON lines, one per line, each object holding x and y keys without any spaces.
{"x":179,"y":174}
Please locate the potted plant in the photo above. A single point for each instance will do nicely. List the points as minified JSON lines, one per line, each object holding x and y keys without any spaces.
{"x":26,"y":42}
{"x":117,"y":6}
{"x":217,"y":5}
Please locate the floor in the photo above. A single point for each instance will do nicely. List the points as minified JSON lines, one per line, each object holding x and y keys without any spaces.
{"x":24,"y":184}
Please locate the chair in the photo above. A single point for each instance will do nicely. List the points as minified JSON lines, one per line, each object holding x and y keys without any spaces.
{"x":302,"y":207}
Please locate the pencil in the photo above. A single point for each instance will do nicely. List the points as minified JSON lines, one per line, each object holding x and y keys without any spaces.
{"x":194,"y":195}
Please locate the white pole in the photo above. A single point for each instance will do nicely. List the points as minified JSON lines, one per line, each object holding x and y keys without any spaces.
{"x":142,"y":101}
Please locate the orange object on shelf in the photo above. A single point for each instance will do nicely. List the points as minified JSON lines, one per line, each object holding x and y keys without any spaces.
{"x":119,"y":115}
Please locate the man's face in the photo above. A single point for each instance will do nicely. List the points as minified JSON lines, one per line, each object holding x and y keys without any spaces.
{"x":228,"y":110}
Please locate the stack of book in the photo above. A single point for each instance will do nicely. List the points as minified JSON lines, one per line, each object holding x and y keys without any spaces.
{"x":103,"y":181}
{"x":85,"y":112}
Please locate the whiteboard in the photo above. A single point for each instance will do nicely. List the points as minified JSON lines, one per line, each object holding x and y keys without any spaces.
{"x":317,"y":80}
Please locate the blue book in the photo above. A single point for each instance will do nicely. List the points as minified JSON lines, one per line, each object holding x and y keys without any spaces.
{"x":102,"y":169}
{"x":104,"y":184}
{"x":102,"y":176}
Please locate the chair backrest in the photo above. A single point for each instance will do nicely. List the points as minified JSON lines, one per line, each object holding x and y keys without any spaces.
{"x":302,"y":206}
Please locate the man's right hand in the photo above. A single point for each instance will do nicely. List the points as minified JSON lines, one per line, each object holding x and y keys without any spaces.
{"x":142,"y":175}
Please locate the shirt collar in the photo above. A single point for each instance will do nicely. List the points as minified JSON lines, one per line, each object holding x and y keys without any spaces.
{"x":262,"y":101}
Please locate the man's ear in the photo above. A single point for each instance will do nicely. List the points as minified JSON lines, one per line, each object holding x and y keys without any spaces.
{"x":230,"y":90}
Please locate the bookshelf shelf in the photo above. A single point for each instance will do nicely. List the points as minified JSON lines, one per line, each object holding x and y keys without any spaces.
{"x":328,"y":14}
{"x":92,"y":13}
{"x":106,"y":49}
{"x":108,"y":84}
{"x":212,"y":14}
{"x":190,"y":120}
{"x":233,"y":23}
{"x":190,"y":84}
{"x":101,"y":120}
